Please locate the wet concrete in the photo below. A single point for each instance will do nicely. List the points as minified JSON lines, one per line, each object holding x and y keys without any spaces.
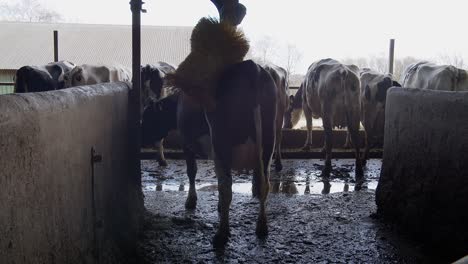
{"x":310,"y":220}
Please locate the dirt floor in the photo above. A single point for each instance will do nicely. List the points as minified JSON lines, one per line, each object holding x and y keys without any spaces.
{"x":310,"y":221}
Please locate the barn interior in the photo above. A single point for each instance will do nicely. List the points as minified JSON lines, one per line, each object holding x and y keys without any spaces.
{"x":78,"y":184}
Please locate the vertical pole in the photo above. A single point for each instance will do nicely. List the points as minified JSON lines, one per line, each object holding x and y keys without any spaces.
{"x":55,"y":45}
{"x":134,"y":96}
{"x":391,"y":56}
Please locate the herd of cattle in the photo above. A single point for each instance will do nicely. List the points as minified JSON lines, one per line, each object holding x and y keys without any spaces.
{"x":252,"y":108}
{"x":342,"y":95}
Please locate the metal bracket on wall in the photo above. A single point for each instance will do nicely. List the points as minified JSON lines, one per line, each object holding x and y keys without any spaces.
{"x":95,"y":158}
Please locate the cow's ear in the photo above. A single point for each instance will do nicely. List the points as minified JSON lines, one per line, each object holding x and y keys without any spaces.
{"x":395,"y":83}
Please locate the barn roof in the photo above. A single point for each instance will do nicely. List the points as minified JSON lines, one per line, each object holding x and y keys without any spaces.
{"x":32,"y":44}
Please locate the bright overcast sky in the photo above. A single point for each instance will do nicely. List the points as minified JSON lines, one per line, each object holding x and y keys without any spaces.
{"x":332,"y":28}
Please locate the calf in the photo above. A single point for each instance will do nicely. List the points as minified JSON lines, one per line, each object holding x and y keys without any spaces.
{"x":280,"y":77}
{"x":426,"y":75}
{"x":374,"y":88}
{"x":42,"y":78}
{"x":331,"y":91}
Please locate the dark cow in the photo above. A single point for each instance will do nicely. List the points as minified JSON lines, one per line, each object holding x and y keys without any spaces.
{"x":280,"y":76}
{"x":374,"y":86}
{"x":331,"y":91}
{"x":242,"y":130}
{"x":42,"y":78}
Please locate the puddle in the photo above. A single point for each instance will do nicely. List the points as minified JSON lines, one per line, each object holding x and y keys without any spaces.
{"x":299,"y":177}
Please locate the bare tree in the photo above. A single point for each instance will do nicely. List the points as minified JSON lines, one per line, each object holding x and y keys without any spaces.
{"x":454,"y":60}
{"x":27,"y":11}
{"x":265,"y":50}
{"x":293,"y":57}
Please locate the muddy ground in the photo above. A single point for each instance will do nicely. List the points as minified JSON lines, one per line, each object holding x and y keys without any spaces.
{"x":310,"y":221}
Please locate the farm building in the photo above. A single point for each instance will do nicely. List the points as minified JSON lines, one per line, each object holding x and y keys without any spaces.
{"x":32,"y":44}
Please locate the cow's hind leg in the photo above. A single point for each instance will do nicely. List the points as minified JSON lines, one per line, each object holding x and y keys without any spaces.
{"x":160,"y":158}
{"x":224,"y":202}
{"x":353,"y":128}
{"x":308,"y":117}
{"x":263,"y":185}
{"x":191,"y":201}
{"x":279,"y":137}
{"x":328,"y":130}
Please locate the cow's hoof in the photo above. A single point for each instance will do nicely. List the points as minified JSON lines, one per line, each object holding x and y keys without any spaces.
{"x":359,"y":172}
{"x":364,"y":161}
{"x":278,"y":166}
{"x":262,"y":228}
{"x":162,"y":163}
{"x":220,"y":239}
{"x":307,"y":147}
{"x":191,"y":203}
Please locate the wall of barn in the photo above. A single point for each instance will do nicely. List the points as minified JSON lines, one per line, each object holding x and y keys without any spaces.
{"x":423,"y":187}
{"x":7,"y":76}
{"x":53,"y":209}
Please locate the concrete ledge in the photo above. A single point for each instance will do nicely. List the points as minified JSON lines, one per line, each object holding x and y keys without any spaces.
{"x":423,"y":186}
{"x":53,"y":208}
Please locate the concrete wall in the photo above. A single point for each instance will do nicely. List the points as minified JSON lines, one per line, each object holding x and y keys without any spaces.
{"x":50,"y":210}
{"x":423,"y":187}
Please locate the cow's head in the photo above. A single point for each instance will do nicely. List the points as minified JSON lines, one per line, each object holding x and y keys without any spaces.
{"x":159,"y":118}
{"x":292,"y":115}
{"x":76,"y":77}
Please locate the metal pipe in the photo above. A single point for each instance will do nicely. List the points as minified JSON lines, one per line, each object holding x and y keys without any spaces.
{"x":55,"y":45}
{"x":391,"y":56}
{"x":134,"y":96}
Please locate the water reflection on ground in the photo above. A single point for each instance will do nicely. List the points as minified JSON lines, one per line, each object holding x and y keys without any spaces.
{"x":299,"y":177}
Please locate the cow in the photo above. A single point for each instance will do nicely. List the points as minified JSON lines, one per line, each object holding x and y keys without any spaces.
{"x":331,"y":91}
{"x":152,"y":80}
{"x":87,"y":74}
{"x":427,"y":75}
{"x":280,"y":77}
{"x":42,"y":78}
{"x":239,"y":133}
{"x":293,"y":113}
{"x":374,"y":86}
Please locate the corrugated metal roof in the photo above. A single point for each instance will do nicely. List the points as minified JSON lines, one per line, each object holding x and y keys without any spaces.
{"x":32,"y":44}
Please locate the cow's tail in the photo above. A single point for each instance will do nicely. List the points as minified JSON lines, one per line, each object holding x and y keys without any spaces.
{"x":346,"y":93}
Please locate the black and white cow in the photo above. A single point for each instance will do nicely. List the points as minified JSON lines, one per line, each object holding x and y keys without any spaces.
{"x":42,"y":78}
{"x":87,"y":74}
{"x":280,"y":76}
{"x":374,"y":86}
{"x":331,"y":91}
{"x":242,"y":131}
{"x":153,"y":80}
{"x":427,"y":75}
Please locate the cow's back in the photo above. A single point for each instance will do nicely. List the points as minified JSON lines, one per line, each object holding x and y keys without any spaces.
{"x":425,"y":75}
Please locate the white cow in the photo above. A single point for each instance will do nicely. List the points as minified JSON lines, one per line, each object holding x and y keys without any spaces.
{"x":331,"y":91}
{"x":374,"y":86}
{"x":427,"y":75}
{"x":91,"y":74}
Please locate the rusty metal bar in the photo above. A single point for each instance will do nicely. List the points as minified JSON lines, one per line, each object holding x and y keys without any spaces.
{"x":55,"y":45}
{"x":391,"y":56}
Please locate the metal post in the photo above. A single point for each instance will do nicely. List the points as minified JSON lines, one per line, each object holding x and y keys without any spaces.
{"x":391,"y":56}
{"x":55,"y":45}
{"x":134,"y":96}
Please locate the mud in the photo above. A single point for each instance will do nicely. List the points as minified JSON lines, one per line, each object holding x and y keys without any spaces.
{"x":310,"y":220}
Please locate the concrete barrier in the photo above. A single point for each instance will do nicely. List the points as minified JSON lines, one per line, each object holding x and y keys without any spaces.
{"x":423,"y":187}
{"x":56,"y":205}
